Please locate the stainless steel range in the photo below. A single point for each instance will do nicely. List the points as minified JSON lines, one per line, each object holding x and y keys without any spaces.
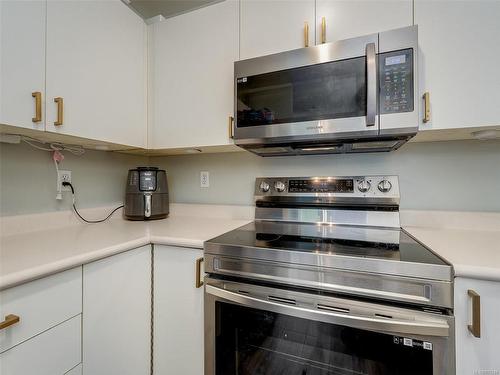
{"x":325,"y":281}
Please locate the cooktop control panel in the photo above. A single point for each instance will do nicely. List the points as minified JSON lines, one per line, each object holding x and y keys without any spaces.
{"x":356,"y":186}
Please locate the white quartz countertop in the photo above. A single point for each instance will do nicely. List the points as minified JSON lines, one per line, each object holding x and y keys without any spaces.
{"x":473,"y":253}
{"x":471,"y":245}
{"x":30,"y":255}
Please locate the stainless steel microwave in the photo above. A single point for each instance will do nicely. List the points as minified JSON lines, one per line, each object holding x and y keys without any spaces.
{"x":355,"y":95}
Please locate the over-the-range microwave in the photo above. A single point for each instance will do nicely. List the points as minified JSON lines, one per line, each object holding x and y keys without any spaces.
{"x":355,"y":95}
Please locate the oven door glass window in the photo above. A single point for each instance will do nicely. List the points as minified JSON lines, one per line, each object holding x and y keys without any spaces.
{"x":256,"y":342}
{"x":318,"y":92}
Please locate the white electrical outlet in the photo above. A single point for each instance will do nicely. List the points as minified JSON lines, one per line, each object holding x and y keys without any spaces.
{"x":204,"y":179}
{"x":63,"y":176}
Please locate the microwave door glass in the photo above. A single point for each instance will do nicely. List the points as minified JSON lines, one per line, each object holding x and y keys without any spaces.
{"x":324,"y":91}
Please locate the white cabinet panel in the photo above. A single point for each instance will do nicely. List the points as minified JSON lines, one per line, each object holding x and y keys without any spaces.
{"x":459,"y":61}
{"x":96,"y":61}
{"x":271,"y":26}
{"x":178,"y":312}
{"x":40,"y":305}
{"x":117,"y":314}
{"x":347,"y":18}
{"x":477,"y":355}
{"x":22,"y":61}
{"x":53,"y":352}
{"x":191,"y":67}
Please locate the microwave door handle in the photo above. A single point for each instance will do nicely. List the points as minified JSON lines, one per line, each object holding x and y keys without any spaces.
{"x":394,"y":326}
{"x":371,"y":84}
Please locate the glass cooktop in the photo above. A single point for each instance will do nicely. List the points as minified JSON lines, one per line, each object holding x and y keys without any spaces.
{"x":335,"y":240}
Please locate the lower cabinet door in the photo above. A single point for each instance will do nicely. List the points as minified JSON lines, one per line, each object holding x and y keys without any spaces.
{"x":178,"y":312}
{"x":53,"y":352}
{"x":477,"y":305}
{"x":117,"y":314}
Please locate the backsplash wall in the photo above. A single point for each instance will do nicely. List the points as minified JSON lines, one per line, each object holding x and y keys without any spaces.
{"x":28,"y":179}
{"x":458,"y":175}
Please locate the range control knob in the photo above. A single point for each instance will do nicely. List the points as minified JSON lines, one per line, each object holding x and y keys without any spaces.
{"x":279,"y":186}
{"x":264,"y":187}
{"x":384,"y":186}
{"x":364,"y":186}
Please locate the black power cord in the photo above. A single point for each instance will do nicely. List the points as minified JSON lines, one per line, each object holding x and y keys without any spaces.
{"x":65,"y":183}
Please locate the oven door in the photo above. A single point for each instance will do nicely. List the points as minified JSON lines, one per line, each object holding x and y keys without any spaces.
{"x":251,"y":330}
{"x":318,"y":93}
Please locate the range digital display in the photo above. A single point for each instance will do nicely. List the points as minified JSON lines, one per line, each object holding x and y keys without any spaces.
{"x":321,"y":186}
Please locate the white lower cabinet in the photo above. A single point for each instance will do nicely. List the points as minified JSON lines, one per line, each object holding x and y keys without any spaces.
{"x":117,"y":314}
{"x":477,"y":355}
{"x":53,"y":352}
{"x":178,"y":312}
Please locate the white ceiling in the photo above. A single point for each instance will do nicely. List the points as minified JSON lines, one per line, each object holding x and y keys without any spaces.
{"x":166,"y":8}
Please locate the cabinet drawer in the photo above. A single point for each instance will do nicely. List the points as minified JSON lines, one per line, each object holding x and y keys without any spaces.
{"x":53,"y":352}
{"x":40,"y":305}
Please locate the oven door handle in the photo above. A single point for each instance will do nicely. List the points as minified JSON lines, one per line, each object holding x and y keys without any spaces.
{"x":371,"y":84}
{"x":411,"y":326}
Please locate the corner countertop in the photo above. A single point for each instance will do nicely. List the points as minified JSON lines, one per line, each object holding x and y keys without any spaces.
{"x":29,"y":255}
{"x":34,"y":246}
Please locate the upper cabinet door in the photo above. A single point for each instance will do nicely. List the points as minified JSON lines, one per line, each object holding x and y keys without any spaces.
{"x":22,"y":63}
{"x":192,"y":74}
{"x":345,"y":19}
{"x":96,"y":64}
{"x":271,"y":26}
{"x":458,"y":65}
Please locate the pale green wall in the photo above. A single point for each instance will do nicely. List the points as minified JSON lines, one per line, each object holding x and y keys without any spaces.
{"x":28,"y":179}
{"x":442,"y":175}
{"x":461,"y":175}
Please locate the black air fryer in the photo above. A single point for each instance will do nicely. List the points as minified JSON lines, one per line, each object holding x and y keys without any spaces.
{"x":146,"y":197}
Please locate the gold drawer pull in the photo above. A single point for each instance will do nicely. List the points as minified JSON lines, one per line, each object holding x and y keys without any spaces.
{"x":427,"y":107}
{"x":230,"y":127}
{"x":323,"y":30}
{"x":198,"y":282}
{"x":475,"y":327}
{"x":38,"y":106}
{"x":9,"y":320}
{"x":306,"y":34}
{"x":60,"y":111}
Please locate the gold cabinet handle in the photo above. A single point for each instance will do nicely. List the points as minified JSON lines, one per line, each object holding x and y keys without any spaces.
{"x":475,"y":327}
{"x":230,"y":127}
{"x":198,"y":282}
{"x":38,"y":106}
{"x":60,"y":111}
{"x":427,"y":107}
{"x":9,"y":320}
{"x":323,"y":30}
{"x":306,"y":34}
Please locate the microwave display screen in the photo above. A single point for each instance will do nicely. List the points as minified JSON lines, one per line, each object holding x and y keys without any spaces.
{"x":393,"y":60}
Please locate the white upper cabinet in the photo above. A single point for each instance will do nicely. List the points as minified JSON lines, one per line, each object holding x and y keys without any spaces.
{"x":271,"y":26}
{"x":22,"y":63}
{"x":477,"y":355}
{"x":96,"y":62}
{"x":191,"y":77}
{"x":458,"y":64}
{"x":345,"y":19}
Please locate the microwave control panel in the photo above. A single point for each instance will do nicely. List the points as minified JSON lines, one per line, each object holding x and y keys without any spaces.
{"x":396,"y":81}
